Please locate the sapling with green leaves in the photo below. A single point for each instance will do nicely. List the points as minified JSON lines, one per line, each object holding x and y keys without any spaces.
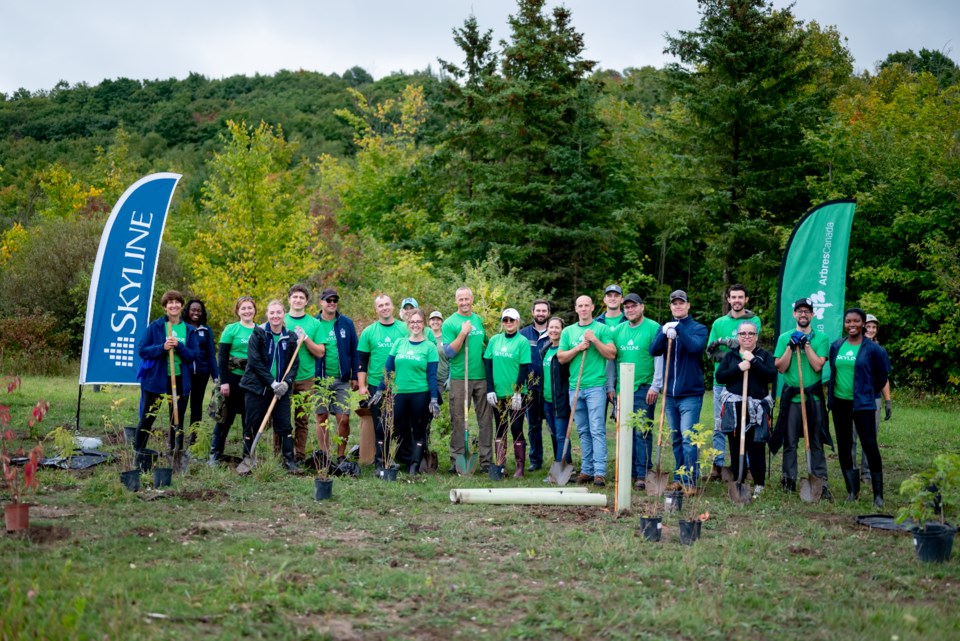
{"x":701,"y":437}
{"x":938,"y":485}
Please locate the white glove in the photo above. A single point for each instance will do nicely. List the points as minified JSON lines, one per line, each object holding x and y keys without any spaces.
{"x":300,"y":333}
{"x":516,"y":402}
{"x":670,"y":329}
{"x":279,"y":388}
{"x":434,"y":408}
{"x":492,"y":398}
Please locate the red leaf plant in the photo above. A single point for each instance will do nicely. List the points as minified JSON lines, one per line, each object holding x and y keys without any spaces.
{"x":18,"y":485}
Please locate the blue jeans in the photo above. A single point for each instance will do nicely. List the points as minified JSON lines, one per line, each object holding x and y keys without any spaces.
{"x":682,"y":414}
{"x":558,"y":432}
{"x":590,"y":417}
{"x":719,"y":439}
{"x":535,"y":415}
{"x":642,"y":443}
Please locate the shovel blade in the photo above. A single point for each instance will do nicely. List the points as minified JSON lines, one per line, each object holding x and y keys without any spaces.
{"x":246,"y":465}
{"x":656,"y":482}
{"x":739,"y":493}
{"x":560,"y":473}
{"x":810,"y":489}
{"x":726,"y":475}
{"x":466,"y":465}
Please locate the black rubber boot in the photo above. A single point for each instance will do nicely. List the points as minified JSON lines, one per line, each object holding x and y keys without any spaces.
{"x":216,"y":446}
{"x":378,"y":456}
{"x":852,"y":480}
{"x":289,"y":459}
{"x":876,"y":480}
{"x":520,"y":455}
{"x":789,"y":485}
{"x":416,"y":453}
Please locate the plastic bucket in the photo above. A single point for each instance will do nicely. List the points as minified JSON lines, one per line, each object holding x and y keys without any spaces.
{"x":322,"y":489}
{"x":162,"y":476}
{"x":690,"y":531}
{"x":131,"y":480}
{"x":650,"y":527}
{"x":145,"y":459}
{"x":387,"y":474}
{"x":672,"y":501}
{"x":934,"y":543}
{"x":495,"y":472}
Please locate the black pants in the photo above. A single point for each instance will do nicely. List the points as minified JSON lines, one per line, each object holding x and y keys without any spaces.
{"x":503,"y":417}
{"x":198,"y":389}
{"x":756,"y":456}
{"x":151,"y":408}
{"x":256,"y":410}
{"x":235,"y":407}
{"x":844,"y":418}
{"x":535,"y":418}
{"x":791,"y":441}
{"x":411,"y":415}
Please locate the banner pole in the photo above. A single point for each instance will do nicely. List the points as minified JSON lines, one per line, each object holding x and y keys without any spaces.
{"x":76,"y":427}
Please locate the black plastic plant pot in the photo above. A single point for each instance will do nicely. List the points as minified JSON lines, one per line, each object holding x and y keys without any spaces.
{"x":387,"y":474}
{"x":650,"y":528}
{"x":131,"y":480}
{"x":130,"y":434}
{"x":672,"y":501}
{"x":934,"y":543}
{"x":495,"y":472}
{"x":690,"y":531}
{"x":322,"y":489}
{"x":162,"y":476}
{"x":145,"y":459}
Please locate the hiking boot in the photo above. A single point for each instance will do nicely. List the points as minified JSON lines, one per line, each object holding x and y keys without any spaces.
{"x":757,"y":491}
{"x":789,"y":485}
{"x":826,"y":494}
{"x":690,"y":490}
{"x":716,"y":473}
{"x":599,"y":481}
{"x":640,"y":484}
{"x":533,"y":467}
{"x":584,"y":478}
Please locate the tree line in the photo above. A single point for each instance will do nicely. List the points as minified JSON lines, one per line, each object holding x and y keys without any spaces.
{"x":522,"y":163}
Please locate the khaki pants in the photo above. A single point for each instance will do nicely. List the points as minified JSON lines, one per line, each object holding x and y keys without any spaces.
{"x":301,"y":431}
{"x":477,"y":393}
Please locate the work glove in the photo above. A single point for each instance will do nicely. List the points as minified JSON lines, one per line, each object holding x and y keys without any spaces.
{"x":434,"y":408}
{"x":670,"y":329}
{"x":216,"y":382}
{"x":279,"y":388}
{"x":799,"y":339}
{"x":300,"y":333}
{"x":492,"y":398}
{"x":731,"y":343}
{"x":516,"y":402}
{"x":714,"y":352}
{"x":888,"y":410}
{"x":376,"y":398}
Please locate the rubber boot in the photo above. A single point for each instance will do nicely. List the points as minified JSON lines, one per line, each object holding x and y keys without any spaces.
{"x":876,"y":480}
{"x":416,"y":454}
{"x":378,"y":456}
{"x":216,"y":446}
{"x":852,"y":479}
{"x":289,"y":459}
{"x":520,"y":455}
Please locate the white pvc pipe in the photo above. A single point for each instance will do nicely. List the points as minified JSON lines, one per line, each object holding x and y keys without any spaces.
{"x":573,"y":489}
{"x":532,"y":497}
{"x":624,"y":460}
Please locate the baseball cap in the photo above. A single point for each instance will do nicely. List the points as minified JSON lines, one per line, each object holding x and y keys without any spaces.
{"x":613,"y":288}
{"x":436,"y":314}
{"x":804,"y":302}
{"x":328,"y":292}
{"x":872,"y":319}
{"x":633,"y":298}
{"x":510,"y":313}
{"x":679,"y":293}
{"x":409,"y":301}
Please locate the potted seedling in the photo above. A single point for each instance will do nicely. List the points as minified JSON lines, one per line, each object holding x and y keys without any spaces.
{"x":17,"y":512}
{"x":126,"y":459}
{"x":650,"y":519}
{"x":389,"y":471}
{"x":326,"y":439}
{"x":932,"y":493}
{"x":701,"y":437}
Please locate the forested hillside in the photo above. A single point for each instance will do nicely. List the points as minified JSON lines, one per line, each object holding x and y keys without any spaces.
{"x":521,"y":167}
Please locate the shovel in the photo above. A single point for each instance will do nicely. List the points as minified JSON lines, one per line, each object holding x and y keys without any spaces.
{"x":739,"y":491}
{"x":811,"y":487}
{"x":250,"y":460}
{"x":466,"y":463}
{"x":561,"y":471}
{"x":177,"y":461}
{"x":657,"y":480}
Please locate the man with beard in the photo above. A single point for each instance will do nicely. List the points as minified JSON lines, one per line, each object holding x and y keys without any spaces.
{"x":812,"y":349}
{"x":723,"y":334}
{"x":536,"y":335}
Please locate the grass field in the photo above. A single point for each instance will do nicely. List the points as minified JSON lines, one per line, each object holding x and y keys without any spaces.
{"x":219,"y":556}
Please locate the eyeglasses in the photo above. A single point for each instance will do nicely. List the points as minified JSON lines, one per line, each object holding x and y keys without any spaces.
{"x":803,"y":312}
{"x":414,"y":322}
{"x":746,"y":333}
{"x":508,"y":320}
{"x":333,"y":300}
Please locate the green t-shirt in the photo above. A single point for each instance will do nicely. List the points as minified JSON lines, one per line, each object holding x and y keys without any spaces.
{"x":378,"y":341}
{"x":238,"y":338}
{"x":180,"y":331}
{"x":547,"y":380}
{"x":726,"y":327}
{"x":311,"y":327}
{"x":507,"y":354}
{"x":328,"y":336}
{"x":276,"y":350}
{"x":633,"y":346}
{"x":410,"y":364}
{"x":821,"y":347}
{"x":612,"y":321}
{"x":595,"y":366}
{"x":475,"y":342}
{"x":844,"y":367}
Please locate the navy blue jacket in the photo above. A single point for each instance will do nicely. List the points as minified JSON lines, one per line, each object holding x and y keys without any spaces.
{"x":346,"y":334}
{"x":261,"y":352}
{"x":153,"y":371}
{"x":537,"y":343}
{"x":686,"y":361}
{"x":559,"y":383}
{"x":206,"y":362}
{"x":869,"y":374}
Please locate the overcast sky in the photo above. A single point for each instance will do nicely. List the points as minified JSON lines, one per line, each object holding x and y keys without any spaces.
{"x":45,"y":41}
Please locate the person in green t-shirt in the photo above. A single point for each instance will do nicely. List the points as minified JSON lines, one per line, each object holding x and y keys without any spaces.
{"x":507,"y":366}
{"x":336,"y":383}
{"x":413,"y":363}
{"x":313,"y":348}
{"x":633,"y":340}
{"x":232,"y":359}
{"x":586,"y":346}
{"x":812,"y":349}
{"x":436,"y":330}
{"x":376,"y":343}
{"x":463,"y":335}
{"x":723,"y":334}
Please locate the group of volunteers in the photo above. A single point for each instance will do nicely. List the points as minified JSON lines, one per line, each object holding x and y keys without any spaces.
{"x":543,"y":372}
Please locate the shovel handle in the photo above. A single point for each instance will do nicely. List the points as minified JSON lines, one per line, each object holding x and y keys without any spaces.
{"x":663,"y":403}
{"x":743,"y":421}
{"x":173,"y":379}
{"x":803,"y":405}
{"x":273,"y":402}
{"x":573,"y":409}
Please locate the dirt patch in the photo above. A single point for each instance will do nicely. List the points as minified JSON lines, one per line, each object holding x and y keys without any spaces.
{"x":217,"y":528}
{"x":568,"y":514}
{"x":41,"y":534}
{"x":200,"y":495}
{"x":144,"y":532}
{"x":51,"y":512}
{"x":805,"y":551}
{"x":337,"y":629}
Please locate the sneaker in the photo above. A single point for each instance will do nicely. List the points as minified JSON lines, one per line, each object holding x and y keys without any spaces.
{"x":533,"y":467}
{"x":757,"y":491}
{"x":599,"y":481}
{"x":584,"y":478}
{"x":641,"y":484}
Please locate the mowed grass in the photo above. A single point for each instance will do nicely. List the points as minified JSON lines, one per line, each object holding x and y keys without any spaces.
{"x":219,"y":556}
